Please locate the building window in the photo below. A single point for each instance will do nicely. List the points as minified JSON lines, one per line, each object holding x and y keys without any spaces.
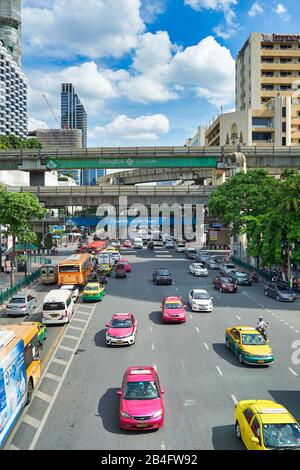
{"x":262,"y":136}
{"x":283,"y":141}
{"x":284,"y":127}
{"x":284,"y":112}
{"x":262,"y":122}
{"x":285,"y":46}
{"x":267,"y":87}
{"x":285,"y":74}
{"x":285,"y":60}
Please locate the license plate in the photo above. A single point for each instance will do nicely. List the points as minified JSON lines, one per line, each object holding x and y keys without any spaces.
{"x":119,"y":342}
{"x":260,"y":362}
{"x":142,"y":425}
{"x":55,"y":315}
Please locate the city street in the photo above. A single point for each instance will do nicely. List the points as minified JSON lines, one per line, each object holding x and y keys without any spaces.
{"x":76,"y":404}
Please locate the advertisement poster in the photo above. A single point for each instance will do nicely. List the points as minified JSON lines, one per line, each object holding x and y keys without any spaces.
{"x":12,"y":388}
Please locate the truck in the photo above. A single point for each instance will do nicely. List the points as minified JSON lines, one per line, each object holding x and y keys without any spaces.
{"x":20,"y":370}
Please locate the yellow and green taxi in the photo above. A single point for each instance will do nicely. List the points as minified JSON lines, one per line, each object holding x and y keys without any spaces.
{"x":266,"y":425}
{"x":42,"y":334}
{"x":248,"y":345}
{"x":93,"y":291}
{"x":104,"y":268}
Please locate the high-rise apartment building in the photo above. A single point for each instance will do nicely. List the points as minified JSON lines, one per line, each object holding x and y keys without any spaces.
{"x":267,"y":94}
{"x":10,"y":27}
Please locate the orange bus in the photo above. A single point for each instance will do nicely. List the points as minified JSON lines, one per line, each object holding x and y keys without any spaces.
{"x":75,"y":270}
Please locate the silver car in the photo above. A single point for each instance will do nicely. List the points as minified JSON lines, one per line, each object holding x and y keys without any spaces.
{"x":22,"y":304}
{"x":227,"y":268}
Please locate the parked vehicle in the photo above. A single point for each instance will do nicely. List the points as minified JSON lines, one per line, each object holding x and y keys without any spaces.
{"x":49,"y":274}
{"x":22,"y":304}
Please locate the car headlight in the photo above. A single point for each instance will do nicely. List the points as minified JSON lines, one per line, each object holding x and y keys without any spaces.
{"x":125,"y":415}
{"x":158,"y":414}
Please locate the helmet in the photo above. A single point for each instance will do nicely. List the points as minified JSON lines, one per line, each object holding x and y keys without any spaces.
{"x":260,"y":318}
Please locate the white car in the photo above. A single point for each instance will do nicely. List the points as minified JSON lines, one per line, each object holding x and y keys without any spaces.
{"x":200,"y":301}
{"x":74,"y":291}
{"x":180,"y":247}
{"x":198,"y":269}
{"x":169,"y":244}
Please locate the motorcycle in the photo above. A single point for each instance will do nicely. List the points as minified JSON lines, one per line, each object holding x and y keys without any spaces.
{"x":263,"y":332}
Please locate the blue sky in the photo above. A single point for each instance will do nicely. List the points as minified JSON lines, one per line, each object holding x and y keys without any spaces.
{"x":148,"y":71}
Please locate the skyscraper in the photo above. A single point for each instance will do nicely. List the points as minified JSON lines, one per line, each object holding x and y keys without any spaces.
{"x":13,"y":83}
{"x":10,"y":27}
{"x":73,"y":114}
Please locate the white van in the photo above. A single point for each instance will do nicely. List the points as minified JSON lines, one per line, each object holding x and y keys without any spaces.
{"x":138,"y":243}
{"x":58,"y":307}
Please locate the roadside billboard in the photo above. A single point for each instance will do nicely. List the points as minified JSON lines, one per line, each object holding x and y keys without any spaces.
{"x":12,"y":388}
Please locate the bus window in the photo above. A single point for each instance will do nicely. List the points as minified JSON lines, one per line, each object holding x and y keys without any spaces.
{"x":32,"y":351}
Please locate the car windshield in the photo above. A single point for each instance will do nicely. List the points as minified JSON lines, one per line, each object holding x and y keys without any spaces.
{"x":229,"y":266}
{"x":253,"y":340}
{"x":141,"y":391}
{"x":163,"y":273}
{"x":201,"y":295}
{"x":91,"y":288}
{"x":173,"y":305}
{"x":281,"y":435}
{"x":238,"y":274}
{"x":199,"y":266}
{"x":284,"y":288}
{"x":225,"y":280}
{"x":121,"y":323}
{"x":17,"y":300}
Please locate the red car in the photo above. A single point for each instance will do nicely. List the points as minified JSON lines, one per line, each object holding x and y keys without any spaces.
{"x":141,"y":404}
{"x":121,"y":330}
{"x":173,"y":310}
{"x":127,"y":266}
{"x":127,"y":244}
{"x":224,"y":284}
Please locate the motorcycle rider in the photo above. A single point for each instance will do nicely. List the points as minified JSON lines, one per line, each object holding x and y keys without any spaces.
{"x":262,"y":326}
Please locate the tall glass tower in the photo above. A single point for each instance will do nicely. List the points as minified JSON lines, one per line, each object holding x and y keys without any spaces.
{"x":10,"y":27}
{"x":73,"y":114}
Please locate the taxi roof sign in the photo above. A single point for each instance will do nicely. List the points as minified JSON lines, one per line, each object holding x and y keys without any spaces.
{"x":273,"y":411}
{"x":247,"y":329}
{"x":140,"y":372}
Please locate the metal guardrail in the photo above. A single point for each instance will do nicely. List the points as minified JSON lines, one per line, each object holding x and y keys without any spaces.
{"x":120,"y":152}
{"x":26,"y":281}
{"x":252,"y":269}
{"x":41,"y":260}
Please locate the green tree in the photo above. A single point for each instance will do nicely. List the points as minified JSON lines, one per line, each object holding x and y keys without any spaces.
{"x":16,"y":210}
{"x":243,"y":195}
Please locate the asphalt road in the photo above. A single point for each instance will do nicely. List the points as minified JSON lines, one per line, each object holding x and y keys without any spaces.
{"x":77,"y":404}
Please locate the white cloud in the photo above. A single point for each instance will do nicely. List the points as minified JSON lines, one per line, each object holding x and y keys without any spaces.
{"x":281,"y":11}
{"x":139,"y":129}
{"x":224,"y":30}
{"x":92,"y":86}
{"x":256,"y":9}
{"x":153,"y":50}
{"x":151,"y":9}
{"x":145,"y":89}
{"x":34,"y":124}
{"x":95,"y":28}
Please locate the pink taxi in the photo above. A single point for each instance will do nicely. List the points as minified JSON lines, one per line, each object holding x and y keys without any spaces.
{"x":127,"y":266}
{"x":173,"y":310}
{"x":141,"y":404}
{"x":121,"y":330}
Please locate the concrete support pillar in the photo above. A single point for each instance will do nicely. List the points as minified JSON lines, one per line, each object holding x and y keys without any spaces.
{"x":218,"y":177}
{"x":37,"y":178}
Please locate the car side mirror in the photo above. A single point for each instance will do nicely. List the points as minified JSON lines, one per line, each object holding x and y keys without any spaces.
{"x":211,"y":298}
{"x":162,"y":392}
{"x":119,"y":392}
{"x":107,"y":325}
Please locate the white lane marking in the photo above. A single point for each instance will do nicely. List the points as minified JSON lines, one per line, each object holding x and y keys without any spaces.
{"x":151,"y":329}
{"x":234,"y":399}
{"x":277,"y":316}
{"x":163,"y":445}
{"x":79,"y":319}
{"x":60,"y":380}
{"x":31,"y":421}
{"x":286,"y":323}
{"x":293,"y":372}
{"x":85,"y":306}
{"x":219,"y":370}
{"x":75,"y":328}
{"x":239,"y":318}
{"x":43,"y":396}
{"x":296,"y":331}
{"x":152,"y":347}
{"x":191,"y":316}
{"x":197,"y":329}
{"x":60,"y":361}
{"x":281,"y":320}
{"x":53,"y":377}
{"x":291,"y":327}
{"x":83,"y":313}
{"x":71,"y":337}
{"x":189,"y":403}
{"x":206,"y":346}
{"x":66,"y":348}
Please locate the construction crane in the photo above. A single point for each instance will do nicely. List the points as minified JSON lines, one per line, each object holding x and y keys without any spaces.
{"x":49,"y":106}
